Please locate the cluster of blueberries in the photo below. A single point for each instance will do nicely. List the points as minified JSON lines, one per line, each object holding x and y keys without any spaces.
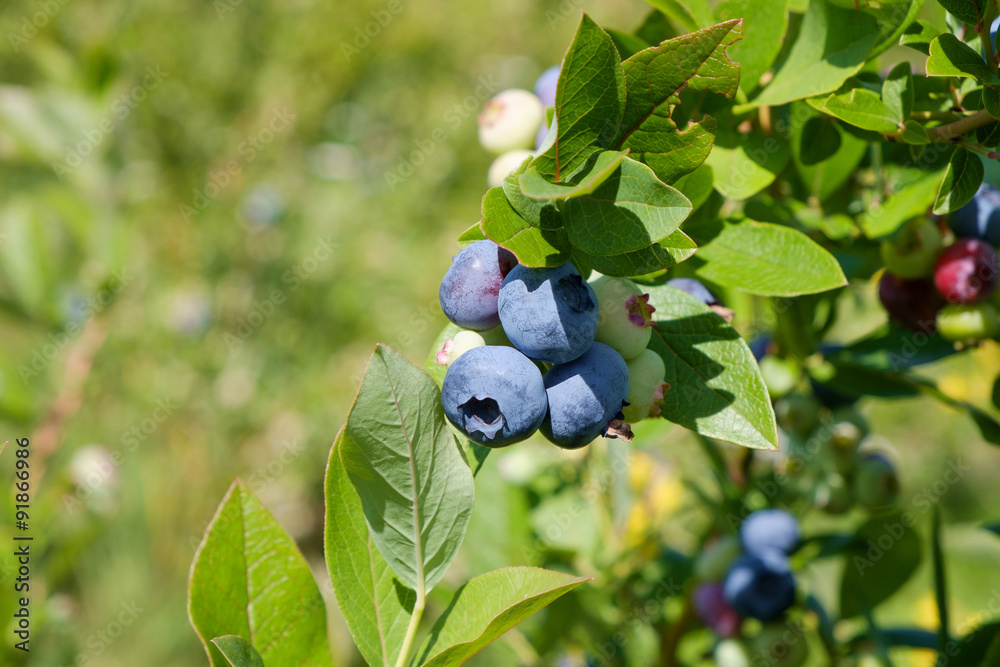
{"x":749,"y":576}
{"x":541,"y":348}
{"x":513,"y":124}
{"x":929,"y":287}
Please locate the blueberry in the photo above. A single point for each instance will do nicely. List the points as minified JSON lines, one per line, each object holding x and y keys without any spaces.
{"x":968,"y":324}
{"x":459,"y":345}
{"x":966,"y":272}
{"x":469,"y":290}
{"x":645,"y":386}
{"x":545,"y":86}
{"x":510,"y":120}
{"x":911,"y":253}
{"x":714,"y":611}
{"x":695,"y":289}
{"x":759,"y":345}
{"x":913,"y":303}
{"x":980,"y":218}
{"x":505,"y":164}
{"x":548,"y":314}
{"x":770,"y":529}
{"x":584,"y":395}
{"x":760,"y":585}
{"x":494,"y":395}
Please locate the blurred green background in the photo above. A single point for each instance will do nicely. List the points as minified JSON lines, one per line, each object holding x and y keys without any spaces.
{"x":201,"y":241}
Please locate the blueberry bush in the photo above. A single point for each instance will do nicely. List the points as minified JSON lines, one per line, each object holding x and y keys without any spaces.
{"x":678,"y":217}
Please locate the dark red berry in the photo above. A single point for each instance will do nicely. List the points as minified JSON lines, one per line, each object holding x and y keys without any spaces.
{"x":914,"y":304}
{"x":966,"y":271}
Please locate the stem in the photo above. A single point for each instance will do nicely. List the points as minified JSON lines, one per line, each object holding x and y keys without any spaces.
{"x":939,"y":115}
{"x":948,"y":132}
{"x":411,"y":630}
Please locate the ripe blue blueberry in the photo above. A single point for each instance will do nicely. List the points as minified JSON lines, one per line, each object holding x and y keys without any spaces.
{"x":494,"y":395}
{"x":760,"y":585}
{"x":695,"y":289}
{"x":548,"y":314}
{"x":980,"y":218}
{"x":584,"y":395}
{"x":770,"y":529}
{"x":469,"y":290}
{"x":545,"y":86}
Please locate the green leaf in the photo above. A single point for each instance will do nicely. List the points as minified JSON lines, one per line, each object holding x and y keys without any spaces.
{"x":670,"y":251}
{"x":940,"y":582}
{"x":988,"y":427}
{"x":991,"y":101}
{"x":538,"y":213}
{"x":715,"y":385}
{"x":488,"y":606}
{"x":824,"y":153}
{"x":964,"y":10}
{"x":697,"y":186}
{"x":654,"y":79}
{"x":769,"y":260}
{"x":910,"y":201}
{"x":471,"y":235}
{"x":590,"y":96}
{"x":862,"y":108}
{"x":532,"y":246}
{"x":919,"y":36}
{"x":688,"y":14}
{"x":892,"y":18}
{"x":951,"y":57}
{"x":238,"y":651}
{"x":764,"y":26}
{"x":745,"y":164}
{"x":962,"y":179}
{"x":376,"y":605}
{"x":885,"y":554}
{"x":914,"y":133}
{"x":416,"y":489}
{"x":630,"y":211}
{"x":249,"y":579}
{"x":832,"y":45}
{"x":897,"y":92}
{"x":599,"y":169}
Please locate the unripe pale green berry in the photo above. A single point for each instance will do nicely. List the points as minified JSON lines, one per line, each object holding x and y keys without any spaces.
{"x":833,"y":494}
{"x":876,"y":485}
{"x":780,"y":375}
{"x":914,"y":250}
{"x":968,"y":323}
{"x":645,"y":386}
{"x":624,"y":320}
{"x":714,"y":560}
{"x":459,"y":345}
{"x":731,"y":653}
{"x":798,"y":414}
{"x":505,"y":164}
{"x":510,"y":121}
{"x":778,"y":645}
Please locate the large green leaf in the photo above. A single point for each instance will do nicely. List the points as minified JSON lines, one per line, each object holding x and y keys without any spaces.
{"x":769,"y":260}
{"x":670,"y":251}
{"x":909,"y":201}
{"x":897,"y":91}
{"x":688,"y":14}
{"x":375,"y":604}
{"x":630,"y":211}
{"x":238,"y":651}
{"x":416,"y":489}
{"x":654,"y":79}
{"x":745,"y":164}
{"x":884,"y":555}
{"x":952,"y":57}
{"x":968,"y":11}
{"x":488,"y":606}
{"x":823,"y":152}
{"x":599,"y":169}
{"x":715,"y":384}
{"x":532,"y":245}
{"x":764,"y":26}
{"x":863,"y":108}
{"x":249,"y":579}
{"x":590,"y":96}
{"x":919,"y":36}
{"x":832,"y":45}
{"x":892,"y":17}
{"x":962,"y":179}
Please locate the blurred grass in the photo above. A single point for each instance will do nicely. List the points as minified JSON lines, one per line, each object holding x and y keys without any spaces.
{"x":237,"y":343}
